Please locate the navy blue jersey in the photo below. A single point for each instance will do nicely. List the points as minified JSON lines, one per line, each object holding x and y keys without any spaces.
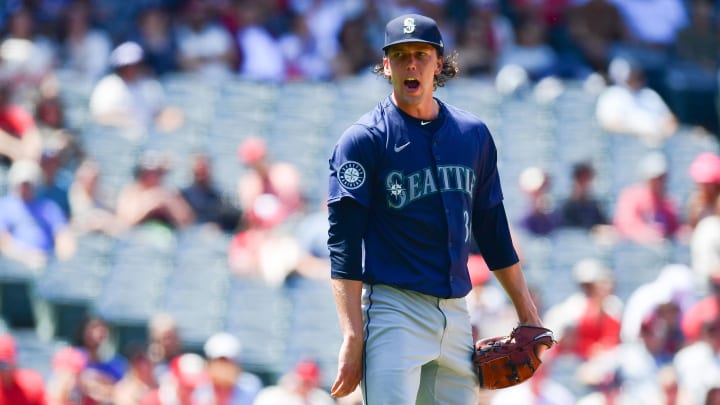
{"x":421,"y":188}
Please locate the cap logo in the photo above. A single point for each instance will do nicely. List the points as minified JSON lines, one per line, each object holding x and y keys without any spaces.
{"x":409,"y":25}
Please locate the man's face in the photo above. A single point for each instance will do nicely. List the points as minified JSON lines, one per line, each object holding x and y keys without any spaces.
{"x":26,"y":190}
{"x":201,"y":169}
{"x":657,"y":184}
{"x":412,"y":68}
{"x":223,"y":372}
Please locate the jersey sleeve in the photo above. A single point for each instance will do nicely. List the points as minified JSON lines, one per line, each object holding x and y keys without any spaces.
{"x":489,"y":191}
{"x":348,"y":223}
{"x":492,"y":234}
{"x":352,"y":166}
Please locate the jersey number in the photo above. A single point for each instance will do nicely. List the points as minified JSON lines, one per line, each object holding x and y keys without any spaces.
{"x":466,"y":217}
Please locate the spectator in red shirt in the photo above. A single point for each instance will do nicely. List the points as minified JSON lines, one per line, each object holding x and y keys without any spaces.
{"x":593,"y":314}
{"x":705,"y":310}
{"x":177,"y":385}
{"x":705,"y":174}
{"x":18,"y":386}
{"x":19,"y":136}
{"x":64,"y":386}
{"x":269,"y":190}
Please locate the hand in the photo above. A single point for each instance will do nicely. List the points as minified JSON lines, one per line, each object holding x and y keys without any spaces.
{"x":349,"y":368}
{"x":34,"y":259}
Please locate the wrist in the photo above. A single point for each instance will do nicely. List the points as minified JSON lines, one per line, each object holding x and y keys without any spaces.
{"x":353,"y":337}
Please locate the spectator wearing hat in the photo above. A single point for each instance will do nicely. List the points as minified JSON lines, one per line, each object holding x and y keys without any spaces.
{"x":592,"y":314}
{"x":539,"y":217}
{"x":18,"y":386}
{"x":270,"y":195}
{"x":130,"y":97}
{"x":645,"y":213}
{"x":300,"y":386}
{"x":630,"y":107}
{"x":586,"y":323}
{"x":228,"y":383}
{"x":147,"y":199}
{"x":32,"y":229}
{"x":177,"y":386}
{"x":269,"y":190}
{"x":705,"y":173}
{"x":667,"y":298}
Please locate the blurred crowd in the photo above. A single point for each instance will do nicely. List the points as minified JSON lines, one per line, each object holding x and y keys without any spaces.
{"x":156,"y":371}
{"x":674,"y":41}
{"x":657,"y":61}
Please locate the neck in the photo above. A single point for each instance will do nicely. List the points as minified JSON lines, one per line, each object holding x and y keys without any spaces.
{"x":428,"y":110}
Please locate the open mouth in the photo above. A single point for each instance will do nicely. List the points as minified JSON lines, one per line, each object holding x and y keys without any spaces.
{"x":411,"y":84}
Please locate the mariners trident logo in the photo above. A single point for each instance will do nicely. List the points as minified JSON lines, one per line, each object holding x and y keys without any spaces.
{"x":351,"y":175}
{"x":409,"y":25}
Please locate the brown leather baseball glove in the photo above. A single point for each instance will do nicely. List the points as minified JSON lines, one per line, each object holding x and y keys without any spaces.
{"x":505,"y":361}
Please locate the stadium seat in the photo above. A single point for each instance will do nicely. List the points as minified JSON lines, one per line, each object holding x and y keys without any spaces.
{"x":66,"y":290}
{"x":17,"y":283}
{"x":258,"y":314}
{"x":313,"y":329}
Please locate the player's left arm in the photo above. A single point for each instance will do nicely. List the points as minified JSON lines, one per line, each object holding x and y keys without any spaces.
{"x":513,"y":282}
{"x":492,"y":234}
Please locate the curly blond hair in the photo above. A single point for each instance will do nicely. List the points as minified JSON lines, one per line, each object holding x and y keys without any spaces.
{"x":449,"y":70}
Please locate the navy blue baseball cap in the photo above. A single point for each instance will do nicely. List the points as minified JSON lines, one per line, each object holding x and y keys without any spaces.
{"x":413,"y":28}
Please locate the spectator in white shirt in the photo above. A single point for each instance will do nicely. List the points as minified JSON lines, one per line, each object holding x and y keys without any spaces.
{"x":130,"y":97}
{"x":204,"y":46}
{"x":84,"y":49}
{"x":631,"y":107}
{"x":262,"y":56}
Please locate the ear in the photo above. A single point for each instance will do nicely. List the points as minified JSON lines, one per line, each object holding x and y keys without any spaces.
{"x":439,"y":66}
{"x":386,"y":67}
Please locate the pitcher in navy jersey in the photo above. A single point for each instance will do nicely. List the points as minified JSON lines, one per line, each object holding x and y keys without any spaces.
{"x":412,"y":183}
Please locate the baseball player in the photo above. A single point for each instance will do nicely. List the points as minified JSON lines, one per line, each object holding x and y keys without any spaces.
{"x":411,"y":183}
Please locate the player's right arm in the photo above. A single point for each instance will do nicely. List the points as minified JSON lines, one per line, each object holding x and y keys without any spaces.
{"x":347,"y":301}
{"x":349,"y":195}
{"x":348,"y":221}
